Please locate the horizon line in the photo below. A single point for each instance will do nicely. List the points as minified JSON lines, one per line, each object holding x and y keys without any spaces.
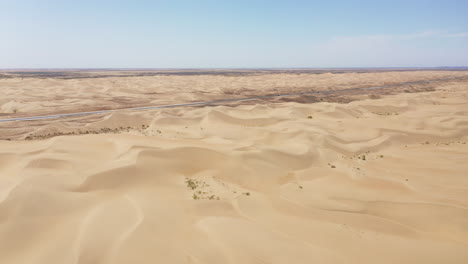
{"x":231,"y":68}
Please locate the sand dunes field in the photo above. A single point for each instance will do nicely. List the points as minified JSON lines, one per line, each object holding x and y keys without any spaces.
{"x":380,"y":180}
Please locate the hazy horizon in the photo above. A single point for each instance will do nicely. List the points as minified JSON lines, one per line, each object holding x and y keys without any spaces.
{"x":246,"y":68}
{"x":232,"y":35}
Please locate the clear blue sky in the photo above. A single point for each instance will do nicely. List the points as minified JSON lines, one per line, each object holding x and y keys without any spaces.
{"x":232,"y":34}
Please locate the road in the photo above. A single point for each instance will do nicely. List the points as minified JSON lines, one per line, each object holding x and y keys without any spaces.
{"x":218,"y":102}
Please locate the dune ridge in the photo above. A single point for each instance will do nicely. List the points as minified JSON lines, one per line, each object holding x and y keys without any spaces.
{"x":372,"y":181}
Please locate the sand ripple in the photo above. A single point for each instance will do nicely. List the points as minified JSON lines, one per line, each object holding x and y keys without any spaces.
{"x":373,"y":181}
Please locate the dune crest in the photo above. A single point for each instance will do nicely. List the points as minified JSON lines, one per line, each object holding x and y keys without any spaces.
{"x":372,"y":181}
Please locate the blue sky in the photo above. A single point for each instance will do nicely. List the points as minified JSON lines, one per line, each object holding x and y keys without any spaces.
{"x":232,"y":34}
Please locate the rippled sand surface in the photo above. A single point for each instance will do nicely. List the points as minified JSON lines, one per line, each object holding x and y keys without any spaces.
{"x":372,"y":181}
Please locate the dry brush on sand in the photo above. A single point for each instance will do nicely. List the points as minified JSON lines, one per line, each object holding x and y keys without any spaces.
{"x":372,"y":181}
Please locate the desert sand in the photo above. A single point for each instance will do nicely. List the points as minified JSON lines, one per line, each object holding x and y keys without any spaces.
{"x":371,"y":179}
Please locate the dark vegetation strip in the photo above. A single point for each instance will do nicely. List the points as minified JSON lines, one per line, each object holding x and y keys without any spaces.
{"x":221,"y":101}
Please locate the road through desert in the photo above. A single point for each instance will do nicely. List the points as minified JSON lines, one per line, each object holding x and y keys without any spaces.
{"x":348,"y":177}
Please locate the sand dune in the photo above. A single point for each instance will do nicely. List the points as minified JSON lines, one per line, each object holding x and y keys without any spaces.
{"x":20,"y":95}
{"x":372,"y":181}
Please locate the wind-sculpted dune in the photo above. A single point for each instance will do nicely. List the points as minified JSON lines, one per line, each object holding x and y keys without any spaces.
{"x":372,"y":181}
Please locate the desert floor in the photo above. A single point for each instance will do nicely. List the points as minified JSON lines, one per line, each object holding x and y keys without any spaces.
{"x":375,"y":176}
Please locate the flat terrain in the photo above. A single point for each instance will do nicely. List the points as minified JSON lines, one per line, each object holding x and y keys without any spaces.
{"x":355,"y":176}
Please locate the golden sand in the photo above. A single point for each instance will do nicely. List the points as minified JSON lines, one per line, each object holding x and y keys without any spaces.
{"x":372,"y":181}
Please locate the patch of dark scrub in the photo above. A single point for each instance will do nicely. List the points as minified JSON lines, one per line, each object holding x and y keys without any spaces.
{"x":304,"y":99}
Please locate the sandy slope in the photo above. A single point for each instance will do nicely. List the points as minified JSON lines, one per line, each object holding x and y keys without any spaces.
{"x":39,"y":95}
{"x":373,"y":181}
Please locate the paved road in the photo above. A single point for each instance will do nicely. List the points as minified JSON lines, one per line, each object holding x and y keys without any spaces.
{"x":219,"y":102}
